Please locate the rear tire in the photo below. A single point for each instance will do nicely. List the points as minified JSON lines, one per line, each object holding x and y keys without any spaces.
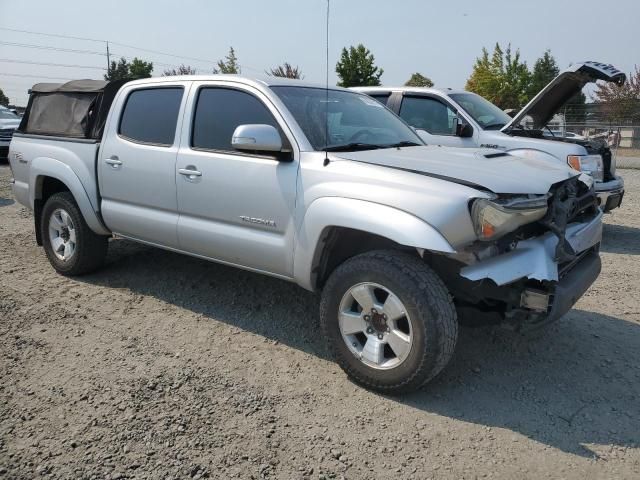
{"x":389,"y":321}
{"x":71,"y":246}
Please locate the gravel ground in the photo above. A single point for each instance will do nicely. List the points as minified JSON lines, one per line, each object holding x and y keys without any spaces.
{"x":163,"y":366}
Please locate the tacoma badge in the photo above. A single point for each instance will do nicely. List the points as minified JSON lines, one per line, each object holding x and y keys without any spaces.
{"x":261,"y":221}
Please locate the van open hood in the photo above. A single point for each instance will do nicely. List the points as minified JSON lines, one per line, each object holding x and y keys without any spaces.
{"x":482,"y":169}
{"x":572,"y":80}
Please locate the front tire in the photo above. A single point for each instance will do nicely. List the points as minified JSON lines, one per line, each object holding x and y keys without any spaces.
{"x":389,"y":320}
{"x":71,"y":246}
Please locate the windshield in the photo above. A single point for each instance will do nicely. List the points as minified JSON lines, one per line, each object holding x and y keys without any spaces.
{"x":351,"y":120}
{"x":482,"y":111}
{"x":8,"y":114}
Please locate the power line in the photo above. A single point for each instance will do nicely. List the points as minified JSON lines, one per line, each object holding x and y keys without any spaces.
{"x":125,"y":45}
{"x":107,"y":42}
{"x":126,"y":57}
{"x":46,"y":47}
{"x":164,"y":53}
{"x":34,"y":76}
{"x":52,"y":35}
{"x":10,"y":60}
{"x":113,"y":43}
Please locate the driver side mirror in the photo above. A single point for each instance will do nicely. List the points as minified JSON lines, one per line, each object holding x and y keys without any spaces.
{"x":462,"y":129}
{"x":257,"y":137}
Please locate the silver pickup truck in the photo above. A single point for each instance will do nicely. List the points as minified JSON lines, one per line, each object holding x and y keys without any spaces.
{"x":322,"y":187}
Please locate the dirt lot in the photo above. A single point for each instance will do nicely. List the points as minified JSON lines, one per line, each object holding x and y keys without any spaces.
{"x":164,"y":366}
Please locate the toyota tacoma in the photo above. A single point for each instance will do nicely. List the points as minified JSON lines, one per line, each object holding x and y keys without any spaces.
{"x":323,"y":187}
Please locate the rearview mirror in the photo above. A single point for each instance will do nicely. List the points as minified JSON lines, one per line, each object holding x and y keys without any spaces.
{"x":257,"y":137}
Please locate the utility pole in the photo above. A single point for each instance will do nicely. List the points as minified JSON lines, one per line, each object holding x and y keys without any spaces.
{"x":108,"y":60}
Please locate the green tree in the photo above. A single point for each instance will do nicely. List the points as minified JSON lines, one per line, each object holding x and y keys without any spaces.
{"x":285,"y":70}
{"x":356,"y":68}
{"x":123,"y":70}
{"x":485,"y":79}
{"x":229,"y":64}
{"x":118,"y":71}
{"x":544,"y":70}
{"x":418,"y":80}
{"x":181,"y":70}
{"x":4,"y":100}
{"x":502,"y":79}
{"x":516,"y":81}
{"x":140,"y":69}
{"x":621,"y":103}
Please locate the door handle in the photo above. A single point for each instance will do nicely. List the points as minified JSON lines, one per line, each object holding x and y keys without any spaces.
{"x":188,"y":172}
{"x":113,"y":161}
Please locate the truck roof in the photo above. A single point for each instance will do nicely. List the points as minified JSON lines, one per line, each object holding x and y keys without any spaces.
{"x":262,"y":81}
{"x":436,"y":90}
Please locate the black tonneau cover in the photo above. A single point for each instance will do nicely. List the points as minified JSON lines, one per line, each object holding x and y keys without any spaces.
{"x":76,"y":109}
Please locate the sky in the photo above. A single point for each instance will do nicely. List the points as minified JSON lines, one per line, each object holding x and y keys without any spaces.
{"x":440,"y":39}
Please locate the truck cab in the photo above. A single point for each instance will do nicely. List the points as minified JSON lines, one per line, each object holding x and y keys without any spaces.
{"x":458,"y":118}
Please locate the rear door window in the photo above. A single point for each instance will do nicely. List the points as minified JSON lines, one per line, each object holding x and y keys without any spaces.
{"x":150,"y":115}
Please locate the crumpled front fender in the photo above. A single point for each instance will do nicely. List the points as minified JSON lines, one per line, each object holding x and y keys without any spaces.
{"x":534,"y":258}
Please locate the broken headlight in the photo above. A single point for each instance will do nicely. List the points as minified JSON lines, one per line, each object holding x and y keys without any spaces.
{"x":589,"y":164}
{"x":494,"y":218}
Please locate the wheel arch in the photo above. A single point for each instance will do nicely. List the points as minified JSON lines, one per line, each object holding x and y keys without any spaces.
{"x":48,"y":176}
{"x":334,"y":229}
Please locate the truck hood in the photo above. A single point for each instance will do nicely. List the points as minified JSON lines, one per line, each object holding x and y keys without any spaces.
{"x":571,"y":81}
{"x":483,"y":169}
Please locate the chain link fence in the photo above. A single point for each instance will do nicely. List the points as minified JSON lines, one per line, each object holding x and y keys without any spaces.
{"x":624,"y":140}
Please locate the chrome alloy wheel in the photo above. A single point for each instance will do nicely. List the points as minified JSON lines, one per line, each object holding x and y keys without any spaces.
{"x":375,"y":325}
{"x":62,"y":235}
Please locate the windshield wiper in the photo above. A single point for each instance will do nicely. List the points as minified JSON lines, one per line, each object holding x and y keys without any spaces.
{"x":370,"y":146}
{"x":494,"y":126}
{"x":404,"y":143}
{"x":353,"y":146}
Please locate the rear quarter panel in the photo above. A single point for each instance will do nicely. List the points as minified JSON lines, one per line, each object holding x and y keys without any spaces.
{"x":71,"y":161}
{"x":27,"y":152}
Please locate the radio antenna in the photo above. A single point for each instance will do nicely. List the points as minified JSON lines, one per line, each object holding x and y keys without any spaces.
{"x":326,"y":102}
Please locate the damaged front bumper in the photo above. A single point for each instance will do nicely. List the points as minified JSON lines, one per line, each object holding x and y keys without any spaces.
{"x":534,"y":258}
{"x":546,"y":289}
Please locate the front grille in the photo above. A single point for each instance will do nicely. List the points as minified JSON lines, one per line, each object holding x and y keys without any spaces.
{"x":571,"y":201}
{"x":579,"y":202}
